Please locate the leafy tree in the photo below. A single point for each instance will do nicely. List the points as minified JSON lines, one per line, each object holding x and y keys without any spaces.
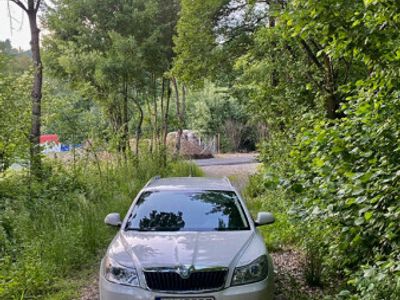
{"x":122,"y":72}
{"x":213,"y":111}
{"x":346,"y":171}
{"x":195,"y":40}
{"x":211,"y":35}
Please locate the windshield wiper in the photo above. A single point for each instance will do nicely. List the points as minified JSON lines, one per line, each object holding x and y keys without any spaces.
{"x":229,"y":228}
{"x":138,"y":229}
{"x":154,"y":229}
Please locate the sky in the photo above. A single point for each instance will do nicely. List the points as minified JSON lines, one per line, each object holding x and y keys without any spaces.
{"x":19,"y":32}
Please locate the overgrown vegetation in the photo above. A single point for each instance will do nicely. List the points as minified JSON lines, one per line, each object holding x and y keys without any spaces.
{"x":315,"y":83}
{"x":322,"y":76}
{"x":52,"y":229}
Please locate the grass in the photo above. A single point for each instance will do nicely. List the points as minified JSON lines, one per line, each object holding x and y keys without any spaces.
{"x":52,"y":231}
{"x":281,"y":234}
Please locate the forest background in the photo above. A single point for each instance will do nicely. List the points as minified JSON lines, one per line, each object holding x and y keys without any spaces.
{"x":312,"y":85}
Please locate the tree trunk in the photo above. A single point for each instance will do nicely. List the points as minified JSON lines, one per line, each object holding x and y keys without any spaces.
{"x":125,"y":133}
{"x":183,"y":114}
{"x":179,"y":115}
{"x":35,"y":153}
{"x":156,"y":131}
{"x":115,"y":112}
{"x":274,"y":75}
{"x":138,"y":126}
{"x":332,"y":102}
{"x":166,"y":114}
{"x":162,"y":111}
{"x":164,"y":119}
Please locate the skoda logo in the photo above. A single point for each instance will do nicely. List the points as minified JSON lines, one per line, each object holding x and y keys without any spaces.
{"x":185,"y":271}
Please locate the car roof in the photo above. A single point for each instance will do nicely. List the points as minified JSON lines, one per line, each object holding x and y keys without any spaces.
{"x":190,"y":183}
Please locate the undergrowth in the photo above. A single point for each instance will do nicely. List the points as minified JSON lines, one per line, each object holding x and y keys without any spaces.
{"x":281,"y":234}
{"x":52,"y":230}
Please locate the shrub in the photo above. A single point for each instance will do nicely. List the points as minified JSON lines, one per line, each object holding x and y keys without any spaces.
{"x":347,"y":178}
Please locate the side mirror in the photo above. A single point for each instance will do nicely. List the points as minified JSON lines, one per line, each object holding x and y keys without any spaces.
{"x":264,"y":218}
{"x":113,"y":219}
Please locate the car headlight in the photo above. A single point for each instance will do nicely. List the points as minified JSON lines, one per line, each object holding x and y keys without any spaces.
{"x":116,"y":273}
{"x":255,"y":271}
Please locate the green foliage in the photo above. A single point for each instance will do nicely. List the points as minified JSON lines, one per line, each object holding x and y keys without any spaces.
{"x":118,"y":56}
{"x":275,"y":81}
{"x":195,"y":40}
{"x":348,"y":169}
{"x":14,"y":105}
{"x":74,"y":118}
{"x":14,"y":121}
{"x":51,"y":229}
{"x":266,"y":191}
{"x":349,"y":174}
{"x":282,"y":234}
{"x":342,"y":175}
{"x":213,"y":111}
{"x":212,"y":35}
{"x":17,"y":61}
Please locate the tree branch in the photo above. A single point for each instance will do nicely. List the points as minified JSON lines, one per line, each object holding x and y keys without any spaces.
{"x":38,"y":5}
{"x":311,"y":54}
{"x":316,"y":45}
{"x":20,"y":4}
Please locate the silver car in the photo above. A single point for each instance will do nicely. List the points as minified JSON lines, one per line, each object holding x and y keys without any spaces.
{"x":187,"y":239}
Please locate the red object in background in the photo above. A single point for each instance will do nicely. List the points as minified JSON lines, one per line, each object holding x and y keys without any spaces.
{"x":49,"y":138}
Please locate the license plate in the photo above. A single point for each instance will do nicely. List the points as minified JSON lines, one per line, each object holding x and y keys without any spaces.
{"x":185,"y":298}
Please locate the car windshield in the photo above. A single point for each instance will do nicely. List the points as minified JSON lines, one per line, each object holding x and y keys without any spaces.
{"x":187,"y":211}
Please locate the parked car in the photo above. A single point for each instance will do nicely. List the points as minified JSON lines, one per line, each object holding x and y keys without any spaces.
{"x":187,"y":239}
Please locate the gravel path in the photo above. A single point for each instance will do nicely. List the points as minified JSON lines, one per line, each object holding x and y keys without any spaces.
{"x":237,"y":167}
{"x":91,"y":292}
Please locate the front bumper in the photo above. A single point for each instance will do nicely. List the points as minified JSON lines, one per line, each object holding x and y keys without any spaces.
{"x":262,"y":290}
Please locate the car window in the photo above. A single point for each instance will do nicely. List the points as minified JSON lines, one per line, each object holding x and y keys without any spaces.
{"x":187,"y":211}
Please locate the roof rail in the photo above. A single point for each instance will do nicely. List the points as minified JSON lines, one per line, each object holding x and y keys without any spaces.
{"x":155,"y":178}
{"x":228,"y":181}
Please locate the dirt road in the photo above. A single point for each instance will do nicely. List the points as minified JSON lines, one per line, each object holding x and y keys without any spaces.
{"x":238,"y":167}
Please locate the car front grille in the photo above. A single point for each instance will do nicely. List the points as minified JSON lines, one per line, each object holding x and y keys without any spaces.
{"x":198,"y":281}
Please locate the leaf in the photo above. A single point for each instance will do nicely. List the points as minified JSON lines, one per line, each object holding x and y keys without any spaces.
{"x":368,"y":215}
{"x":318,"y":162}
{"x":359,"y":221}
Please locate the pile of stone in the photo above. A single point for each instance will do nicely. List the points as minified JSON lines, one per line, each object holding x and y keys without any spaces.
{"x":191,"y":145}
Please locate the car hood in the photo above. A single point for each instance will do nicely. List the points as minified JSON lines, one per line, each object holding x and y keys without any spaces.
{"x":200,"y":249}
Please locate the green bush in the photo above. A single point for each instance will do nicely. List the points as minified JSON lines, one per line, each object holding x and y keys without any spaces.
{"x":347,"y":177}
{"x":378,"y":282}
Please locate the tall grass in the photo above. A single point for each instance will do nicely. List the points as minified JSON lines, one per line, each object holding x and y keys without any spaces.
{"x":53,"y":229}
